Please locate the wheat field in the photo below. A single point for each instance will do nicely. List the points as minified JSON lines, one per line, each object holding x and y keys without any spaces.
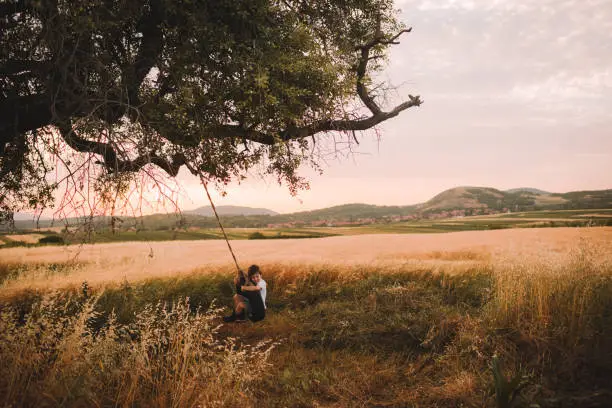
{"x":106,"y":263}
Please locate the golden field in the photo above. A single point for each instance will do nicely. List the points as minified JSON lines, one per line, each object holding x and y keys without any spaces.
{"x":135,"y":261}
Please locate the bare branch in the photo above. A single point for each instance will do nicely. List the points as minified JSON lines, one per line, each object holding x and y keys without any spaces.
{"x":111,"y":160}
{"x":362,"y":66}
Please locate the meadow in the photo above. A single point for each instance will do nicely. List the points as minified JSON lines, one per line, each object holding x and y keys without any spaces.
{"x":516,"y":317}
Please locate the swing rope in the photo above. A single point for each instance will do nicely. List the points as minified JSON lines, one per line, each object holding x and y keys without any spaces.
{"x":221,"y":226}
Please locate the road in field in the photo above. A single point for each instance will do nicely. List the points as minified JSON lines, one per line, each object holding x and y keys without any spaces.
{"x":137,"y":260}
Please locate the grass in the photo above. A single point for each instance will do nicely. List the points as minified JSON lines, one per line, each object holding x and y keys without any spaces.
{"x":168,"y":356}
{"x":15,"y":271}
{"x":334,"y":336}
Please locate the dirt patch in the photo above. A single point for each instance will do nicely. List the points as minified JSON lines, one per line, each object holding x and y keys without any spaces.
{"x":27,"y":238}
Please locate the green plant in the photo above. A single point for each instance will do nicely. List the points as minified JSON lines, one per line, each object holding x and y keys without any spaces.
{"x":506,"y":392}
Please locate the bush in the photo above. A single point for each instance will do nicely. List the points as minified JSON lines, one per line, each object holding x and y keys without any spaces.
{"x":257,"y":235}
{"x":51,"y":239}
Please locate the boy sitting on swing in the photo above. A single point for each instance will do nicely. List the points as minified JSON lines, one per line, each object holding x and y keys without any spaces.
{"x":250,"y":297}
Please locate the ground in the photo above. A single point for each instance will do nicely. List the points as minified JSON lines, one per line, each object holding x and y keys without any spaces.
{"x":364,"y":321}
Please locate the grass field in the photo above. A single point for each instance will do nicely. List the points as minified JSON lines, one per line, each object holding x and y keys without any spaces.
{"x":534,"y":219}
{"x":503,"y":318}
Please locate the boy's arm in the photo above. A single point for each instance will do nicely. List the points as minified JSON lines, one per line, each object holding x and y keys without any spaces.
{"x":250,"y":288}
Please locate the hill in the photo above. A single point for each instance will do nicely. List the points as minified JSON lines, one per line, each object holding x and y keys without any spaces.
{"x":486,"y":200}
{"x":576,"y":200}
{"x":207,"y":211}
{"x":353,"y":212}
{"x":463,"y":198}
{"x":28,"y":217}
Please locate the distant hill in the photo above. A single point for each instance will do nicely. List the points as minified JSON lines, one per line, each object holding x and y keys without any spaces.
{"x":207,"y":211}
{"x":576,"y":200}
{"x":479,"y":199}
{"x":464,"y":197}
{"x":454,"y":202}
{"x":527,"y":190}
{"x":28,"y":217}
{"x":350,"y":211}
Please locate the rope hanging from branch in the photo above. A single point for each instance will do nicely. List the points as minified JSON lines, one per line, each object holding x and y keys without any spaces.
{"x":221,"y":225}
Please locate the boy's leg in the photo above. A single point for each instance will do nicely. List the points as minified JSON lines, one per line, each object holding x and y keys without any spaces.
{"x":241,"y":307}
{"x":243,"y":311}
{"x":238,"y":299}
{"x":237,"y":312}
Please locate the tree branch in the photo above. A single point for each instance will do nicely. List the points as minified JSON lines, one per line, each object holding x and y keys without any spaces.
{"x":234,"y":131}
{"x":295,"y":133}
{"x":362,"y":66}
{"x":150,"y":49}
{"x":378,"y":115}
{"x":111,"y":160}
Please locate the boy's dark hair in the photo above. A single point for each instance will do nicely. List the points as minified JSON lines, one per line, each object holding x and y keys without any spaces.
{"x":253,"y":270}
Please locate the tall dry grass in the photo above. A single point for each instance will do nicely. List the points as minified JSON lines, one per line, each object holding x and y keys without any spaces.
{"x":418,"y":332}
{"x":168,"y":357}
{"x":565,"y":294}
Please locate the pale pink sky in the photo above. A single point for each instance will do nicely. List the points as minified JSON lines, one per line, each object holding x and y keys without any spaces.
{"x":518,"y":93}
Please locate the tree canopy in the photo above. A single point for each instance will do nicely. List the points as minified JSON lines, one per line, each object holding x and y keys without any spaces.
{"x":217,"y":86}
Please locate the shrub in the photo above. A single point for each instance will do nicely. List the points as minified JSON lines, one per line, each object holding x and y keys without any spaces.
{"x":51,"y":239}
{"x":257,"y":235}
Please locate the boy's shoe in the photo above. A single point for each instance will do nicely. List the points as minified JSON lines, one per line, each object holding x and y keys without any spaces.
{"x":229,"y":319}
{"x":240,"y":318}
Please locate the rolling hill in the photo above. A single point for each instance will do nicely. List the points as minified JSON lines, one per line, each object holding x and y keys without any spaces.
{"x":521,"y":199}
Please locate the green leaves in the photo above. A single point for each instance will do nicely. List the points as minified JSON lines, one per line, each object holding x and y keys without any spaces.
{"x":215,"y":84}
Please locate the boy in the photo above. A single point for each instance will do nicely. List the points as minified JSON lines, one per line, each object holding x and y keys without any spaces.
{"x":249,"y":300}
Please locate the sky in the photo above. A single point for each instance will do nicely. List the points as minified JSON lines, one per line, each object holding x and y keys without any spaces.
{"x":518,"y":93}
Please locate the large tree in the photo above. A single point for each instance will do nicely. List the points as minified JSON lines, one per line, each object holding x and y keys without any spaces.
{"x":217,"y":86}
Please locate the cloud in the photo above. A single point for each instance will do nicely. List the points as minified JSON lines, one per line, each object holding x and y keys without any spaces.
{"x":566,"y":87}
{"x":548,"y":54}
